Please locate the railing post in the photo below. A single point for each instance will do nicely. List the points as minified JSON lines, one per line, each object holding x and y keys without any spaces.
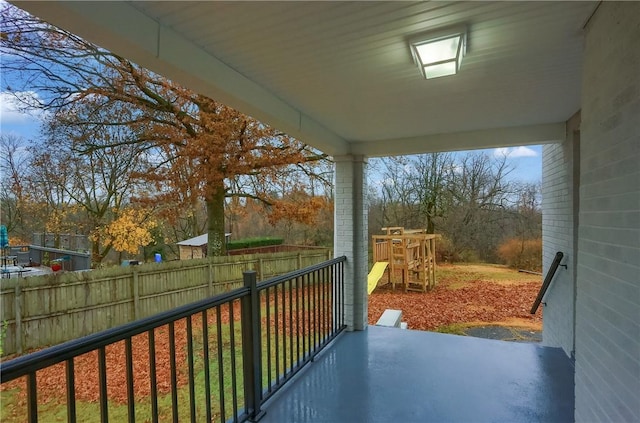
{"x":251,"y":347}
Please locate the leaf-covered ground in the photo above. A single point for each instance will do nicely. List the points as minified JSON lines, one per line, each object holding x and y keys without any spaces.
{"x":464,"y":294}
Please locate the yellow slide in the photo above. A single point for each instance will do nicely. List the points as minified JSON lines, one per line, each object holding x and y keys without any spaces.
{"x":376,"y":273}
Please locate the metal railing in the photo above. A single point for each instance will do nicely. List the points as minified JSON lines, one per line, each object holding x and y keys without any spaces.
{"x":547,"y":281}
{"x":218,"y":359}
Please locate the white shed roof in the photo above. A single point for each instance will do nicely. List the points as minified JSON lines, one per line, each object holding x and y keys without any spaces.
{"x":198,"y":240}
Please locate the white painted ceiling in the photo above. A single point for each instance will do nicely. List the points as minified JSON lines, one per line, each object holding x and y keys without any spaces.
{"x":340,"y":76}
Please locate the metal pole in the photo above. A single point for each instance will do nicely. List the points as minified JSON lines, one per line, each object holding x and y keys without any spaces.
{"x":251,"y":347}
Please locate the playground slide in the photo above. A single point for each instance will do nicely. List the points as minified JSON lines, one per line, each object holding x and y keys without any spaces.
{"x":376,"y":273}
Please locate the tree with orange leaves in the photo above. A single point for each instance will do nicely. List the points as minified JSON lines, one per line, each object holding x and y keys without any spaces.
{"x":201,"y":148}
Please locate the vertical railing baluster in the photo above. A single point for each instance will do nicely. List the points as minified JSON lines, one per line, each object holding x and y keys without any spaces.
{"x":174,"y":371}
{"x":309,"y":330}
{"x":329,"y":287}
{"x":32,"y":398}
{"x":327,"y":298}
{"x":223,"y":414}
{"x":316,"y":309}
{"x":284,"y":331}
{"x":340,"y":301}
{"x":342,"y":297}
{"x":252,"y":347}
{"x":298,"y":320}
{"x":192,"y":388}
{"x":268,"y":334}
{"x":291,"y":341}
{"x":71,"y":391}
{"x":323,"y":299}
{"x":128,"y":356}
{"x":276,"y":326}
{"x":232,"y":342}
{"x":334,"y":300}
{"x":102,"y":380}
{"x":303,"y":317}
{"x":207,"y":372}
{"x":153,"y":376}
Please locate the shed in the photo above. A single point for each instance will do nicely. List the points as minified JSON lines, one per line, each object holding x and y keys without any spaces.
{"x":196,"y":247}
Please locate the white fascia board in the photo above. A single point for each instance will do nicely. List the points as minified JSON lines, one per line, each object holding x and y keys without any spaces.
{"x":461,"y":141}
{"x":125,"y":30}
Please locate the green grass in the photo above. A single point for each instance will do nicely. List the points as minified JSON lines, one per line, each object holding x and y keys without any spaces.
{"x":461,"y":275}
{"x":453,"y":329}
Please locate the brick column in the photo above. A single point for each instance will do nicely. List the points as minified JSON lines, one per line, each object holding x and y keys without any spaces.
{"x":350,"y":235}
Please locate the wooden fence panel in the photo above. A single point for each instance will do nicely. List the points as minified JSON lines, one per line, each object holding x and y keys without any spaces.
{"x":47,"y":310}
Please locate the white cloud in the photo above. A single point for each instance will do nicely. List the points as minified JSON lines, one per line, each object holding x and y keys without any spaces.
{"x":515,"y":152}
{"x":19,"y":107}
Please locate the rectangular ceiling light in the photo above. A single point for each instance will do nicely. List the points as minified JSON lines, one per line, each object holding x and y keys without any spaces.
{"x":439,"y":53}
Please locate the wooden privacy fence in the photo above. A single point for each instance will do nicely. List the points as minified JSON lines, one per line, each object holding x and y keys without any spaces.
{"x":47,"y":310}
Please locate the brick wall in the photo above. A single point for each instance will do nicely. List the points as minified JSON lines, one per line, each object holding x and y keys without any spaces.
{"x":559,"y":219}
{"x":351,"y":236}
{"x":608,"y":272}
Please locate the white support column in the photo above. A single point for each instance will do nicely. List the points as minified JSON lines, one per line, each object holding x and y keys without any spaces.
{"x":350,"y":236}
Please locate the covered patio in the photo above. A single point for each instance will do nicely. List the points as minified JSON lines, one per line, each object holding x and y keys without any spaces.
{"x":340,"y":76}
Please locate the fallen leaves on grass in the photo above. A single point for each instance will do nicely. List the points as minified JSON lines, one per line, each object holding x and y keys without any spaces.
{"x":51,"y":381}
{"x":474,"y":301}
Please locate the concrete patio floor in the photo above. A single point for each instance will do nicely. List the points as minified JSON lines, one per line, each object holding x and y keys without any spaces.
{"x":394,"y":375}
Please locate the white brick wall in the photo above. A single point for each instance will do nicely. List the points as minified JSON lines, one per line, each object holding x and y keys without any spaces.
{"x":608,"y":273}
{"x":559,"y":217}
{"x":350,"y":238}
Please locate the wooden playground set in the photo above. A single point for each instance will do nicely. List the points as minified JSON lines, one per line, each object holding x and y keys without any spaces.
{"x":403,"y":257}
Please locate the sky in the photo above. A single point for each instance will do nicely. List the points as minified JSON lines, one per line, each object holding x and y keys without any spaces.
{"x":16,"y":122}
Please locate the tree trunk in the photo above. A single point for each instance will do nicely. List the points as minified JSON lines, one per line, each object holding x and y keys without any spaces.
{"x":96,"y":257}
{"x":216,"y":245}
{"x":430,"y":225}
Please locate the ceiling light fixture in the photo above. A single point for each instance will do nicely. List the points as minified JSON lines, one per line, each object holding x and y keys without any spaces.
{"x":439,"y":53}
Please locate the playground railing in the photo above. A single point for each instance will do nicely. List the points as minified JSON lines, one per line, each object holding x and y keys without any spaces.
{"x":218,"y":359}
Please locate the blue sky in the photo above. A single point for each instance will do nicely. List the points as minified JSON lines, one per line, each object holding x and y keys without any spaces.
{"x":526,"y":161}
{"x":13,"y":121}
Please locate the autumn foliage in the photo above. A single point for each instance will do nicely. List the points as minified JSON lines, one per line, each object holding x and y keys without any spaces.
{"x":188,"y":150}
{"x":301,"y":209}
{"x":522,"y":254}
{"x":128,"y":232}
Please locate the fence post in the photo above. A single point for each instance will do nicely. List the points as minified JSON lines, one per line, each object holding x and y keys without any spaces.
{"x":251,"y":347}
{"x":136,"y":296}
{"x":210,"y":279}
{"x":260,"y":272}
{"x":18,"y":326}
